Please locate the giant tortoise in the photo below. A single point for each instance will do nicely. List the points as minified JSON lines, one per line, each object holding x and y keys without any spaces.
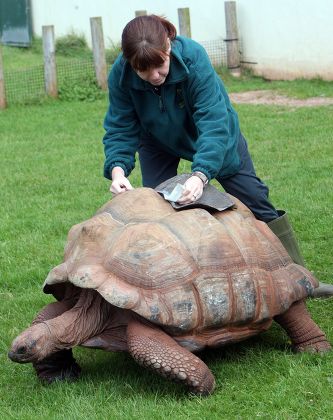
{"x":163,"y":284}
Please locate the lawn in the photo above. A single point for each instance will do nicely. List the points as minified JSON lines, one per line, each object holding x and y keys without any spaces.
{"x":51,"y":178}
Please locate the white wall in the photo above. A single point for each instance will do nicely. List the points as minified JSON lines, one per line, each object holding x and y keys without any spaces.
{"x":207,"y":22}
{"x":285,"y":38}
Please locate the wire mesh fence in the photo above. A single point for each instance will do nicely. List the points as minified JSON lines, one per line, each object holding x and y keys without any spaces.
{"x":74,"y":70}
{"x":24,"y":85}
{"x":75,"y":76}
{"x":217,"y":51}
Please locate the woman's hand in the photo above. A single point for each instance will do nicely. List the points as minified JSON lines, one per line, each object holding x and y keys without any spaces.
{"x":193,"y":190}
{"x":120,"y":183}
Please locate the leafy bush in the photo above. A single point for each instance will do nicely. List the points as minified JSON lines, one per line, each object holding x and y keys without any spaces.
{"x":80,"y":88}
{"x":71,"y":45}
{"x":37,"y":45}
{"x":112,"y":53}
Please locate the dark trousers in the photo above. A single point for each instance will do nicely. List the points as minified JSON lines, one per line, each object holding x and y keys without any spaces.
{"x":157,"y":166}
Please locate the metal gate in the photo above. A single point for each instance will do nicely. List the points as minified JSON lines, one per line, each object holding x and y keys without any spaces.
{"x":15,"y":22}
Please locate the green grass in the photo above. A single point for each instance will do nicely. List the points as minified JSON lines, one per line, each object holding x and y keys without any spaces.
{"x":51,"y":178}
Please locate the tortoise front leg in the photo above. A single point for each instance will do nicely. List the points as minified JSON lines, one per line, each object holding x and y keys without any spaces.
{"x":154,"y":349}
{"x":60,"y":365}
{"x":304,"y":333}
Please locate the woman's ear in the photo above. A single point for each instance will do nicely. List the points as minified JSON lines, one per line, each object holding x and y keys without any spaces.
{"x":168,"y":45}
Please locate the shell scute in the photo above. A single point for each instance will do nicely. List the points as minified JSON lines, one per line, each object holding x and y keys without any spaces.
{"x":215,"y":298}
{"x":183,"y":307}
{"x":149,"y":256}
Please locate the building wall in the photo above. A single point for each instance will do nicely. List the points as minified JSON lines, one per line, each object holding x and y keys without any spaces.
{"x":207,"y":22}
{"x":285,"y":39}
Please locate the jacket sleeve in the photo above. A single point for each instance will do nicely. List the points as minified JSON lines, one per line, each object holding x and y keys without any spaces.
{"x":212,"y":115}
{"x":121,"y":125}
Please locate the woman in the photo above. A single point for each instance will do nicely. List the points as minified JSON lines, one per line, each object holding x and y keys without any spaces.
{"x":168,"y":103}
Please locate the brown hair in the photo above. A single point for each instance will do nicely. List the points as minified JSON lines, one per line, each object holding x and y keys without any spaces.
{"x":144,"y":41}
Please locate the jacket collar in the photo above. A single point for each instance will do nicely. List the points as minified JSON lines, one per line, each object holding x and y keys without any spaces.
{"x":177,"y":73}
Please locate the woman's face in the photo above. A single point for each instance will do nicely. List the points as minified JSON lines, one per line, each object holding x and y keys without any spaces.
{"x":156,"y":75}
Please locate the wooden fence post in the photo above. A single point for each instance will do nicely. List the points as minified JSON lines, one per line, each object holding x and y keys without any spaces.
{"x":140,"y":13}
{"x":233,"y":55}
{"x":184,"y":22}
{"x":50,"y":69}
{"x":3,"y":102}
{"x":99,"y":51}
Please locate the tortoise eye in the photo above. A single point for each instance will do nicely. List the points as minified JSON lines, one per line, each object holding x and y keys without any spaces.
{"x":21,"y":350}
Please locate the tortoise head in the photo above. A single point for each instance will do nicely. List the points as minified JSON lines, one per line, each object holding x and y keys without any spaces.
{"x":32,"y":345}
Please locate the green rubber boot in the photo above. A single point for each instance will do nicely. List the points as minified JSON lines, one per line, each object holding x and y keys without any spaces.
{"x":283,"y":230}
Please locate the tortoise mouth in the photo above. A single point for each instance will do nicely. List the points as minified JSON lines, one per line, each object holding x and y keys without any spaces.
{"x":23,"y":352}
{"x":19,"y":357}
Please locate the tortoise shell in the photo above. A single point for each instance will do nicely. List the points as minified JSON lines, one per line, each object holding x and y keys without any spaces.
{"x":206,"y":278}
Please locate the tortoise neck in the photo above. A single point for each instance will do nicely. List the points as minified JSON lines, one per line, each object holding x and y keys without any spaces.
{"x":86,"y":319}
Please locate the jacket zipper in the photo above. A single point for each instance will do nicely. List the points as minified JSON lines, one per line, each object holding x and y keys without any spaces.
{"x":161,"y":104}
{"x":160,"y":100}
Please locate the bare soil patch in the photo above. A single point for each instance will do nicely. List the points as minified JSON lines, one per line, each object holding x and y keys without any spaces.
{"x":269,"y":97}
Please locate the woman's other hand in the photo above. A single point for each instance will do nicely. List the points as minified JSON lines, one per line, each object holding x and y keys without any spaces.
{"x":119,"y":183}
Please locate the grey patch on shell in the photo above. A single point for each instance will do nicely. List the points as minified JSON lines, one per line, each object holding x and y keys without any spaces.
{"x":141,"y":255}
{"x":218,"y":306}
{"x":155,"y":313}
{"x":119,"y":300}
{"x":307,"y":285}
{"x":80,"y":279}
{"x":185,"y":308}
{"x":249,"y":298}
{"x":84,"y":279}
{"x":246,"y":298}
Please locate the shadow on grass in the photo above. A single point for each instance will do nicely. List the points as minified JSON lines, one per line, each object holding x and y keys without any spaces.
{"x":119,"y":372}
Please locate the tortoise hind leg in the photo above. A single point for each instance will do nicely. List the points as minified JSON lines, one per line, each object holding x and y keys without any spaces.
{"x":154,"y":349}
{"x":304,"y":333}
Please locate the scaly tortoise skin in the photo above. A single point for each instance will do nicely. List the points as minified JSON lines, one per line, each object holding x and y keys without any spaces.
{"x":161,"y":284}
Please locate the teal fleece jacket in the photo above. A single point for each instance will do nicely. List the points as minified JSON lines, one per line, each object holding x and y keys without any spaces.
{"x":191,"y":119}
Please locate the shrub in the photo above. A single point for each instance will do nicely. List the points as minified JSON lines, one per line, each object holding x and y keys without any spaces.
{"x":37,"y":45}
{"x":112,"y":53}
{"x":80,"y":88}
{"x":71,"y":45}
